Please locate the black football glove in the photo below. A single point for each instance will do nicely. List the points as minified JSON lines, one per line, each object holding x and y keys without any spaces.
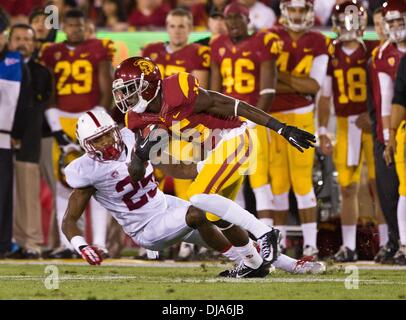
{"x":143,"y":145}
{"x":65,"y":142}
{"x":298,"y":138}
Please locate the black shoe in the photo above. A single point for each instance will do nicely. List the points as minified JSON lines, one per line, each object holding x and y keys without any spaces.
{"x":31,"y":254}
{"x":243,"y":271}
{"x":346,"y":255}
{"x":63,"y":253}
{"x":385,"y":255}
{"x":400,"y":256}
{"x":269,"y":246}
{"x":16,"y":254}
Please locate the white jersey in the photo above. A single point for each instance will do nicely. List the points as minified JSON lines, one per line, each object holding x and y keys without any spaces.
{"x":132,"y":204}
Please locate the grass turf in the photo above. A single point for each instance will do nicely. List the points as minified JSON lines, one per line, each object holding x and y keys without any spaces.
{"x":21,"y":281}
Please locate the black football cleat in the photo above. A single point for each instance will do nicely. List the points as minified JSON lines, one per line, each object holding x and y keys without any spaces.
{"x":269,"y":246}
{"x":345,"y":255}
{"x":243,"y":271}
{"x":385,"y":255}
{"x":400,"y":256}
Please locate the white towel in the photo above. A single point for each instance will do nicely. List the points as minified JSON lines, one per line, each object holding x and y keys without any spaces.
{"x":354,"y":135}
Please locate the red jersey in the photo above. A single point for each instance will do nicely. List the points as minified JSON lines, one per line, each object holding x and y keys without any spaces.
{"x":156,"y":19}
{"x":349,"y":78}
{"x":76,"y":72}
{"x":385,"y":59}
{"x":178,"y":95}
{"x":296,"y":58}
{"x":240,"y":63}
{"x":194,"y":56}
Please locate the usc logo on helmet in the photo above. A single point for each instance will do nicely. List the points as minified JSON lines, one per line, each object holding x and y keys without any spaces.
{"x":145,"y":66}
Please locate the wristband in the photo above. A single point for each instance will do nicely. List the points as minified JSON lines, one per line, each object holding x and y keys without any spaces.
{"x":78,"y":242}
{"x":322,"y":131}
{"x":236,"y":107}
{"x":266,"y":91}
{"x":386,"y":135}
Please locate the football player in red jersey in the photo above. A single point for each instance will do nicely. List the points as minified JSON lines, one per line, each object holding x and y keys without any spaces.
{"x":177,"y":55}
{"x":393,"y":117}
{"x":302,"y":66}
{"x":82,"y":74}
{"x":185,"y":109}
{"x":382,"y":72}
{"x":249,"y":75}
{"x":346,"y":82}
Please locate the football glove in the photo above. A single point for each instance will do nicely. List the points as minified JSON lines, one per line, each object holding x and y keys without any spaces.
{"x":298,"y":138}
{"x":92,"y":254}
{"x":65,"y":142}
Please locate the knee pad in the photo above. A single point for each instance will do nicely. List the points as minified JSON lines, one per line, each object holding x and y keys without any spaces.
{"x":263,"y":197}
{"x":281,"y":202}
{"x":306,"y":201}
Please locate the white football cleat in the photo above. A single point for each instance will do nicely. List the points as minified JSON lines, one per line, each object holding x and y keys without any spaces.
{"x":304,"y":266}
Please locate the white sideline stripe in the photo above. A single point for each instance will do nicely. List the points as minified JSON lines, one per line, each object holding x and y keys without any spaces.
{"x":197,"y":280}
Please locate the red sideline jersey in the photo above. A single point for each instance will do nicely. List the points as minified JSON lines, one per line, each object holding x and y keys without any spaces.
{"x":192,"y":57}
{"x":240,"y":63}
{"x":179,"y":94}
{"x":296,"y":58}
{"x":76,"y":72}
{"x":385,"y":59}
{"x":349,"y":77}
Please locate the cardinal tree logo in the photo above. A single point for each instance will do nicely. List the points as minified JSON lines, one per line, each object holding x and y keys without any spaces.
{"x":236,"y":147}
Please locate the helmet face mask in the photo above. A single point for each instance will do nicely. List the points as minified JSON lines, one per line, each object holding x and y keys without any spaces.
{"x":99,"y":135}
{"x":136,"y":84}
{"x":104,"y":146}
{"x":297,"y":15}
{"x":394,"y":16}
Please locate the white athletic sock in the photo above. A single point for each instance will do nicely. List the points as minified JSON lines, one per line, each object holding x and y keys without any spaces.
{"x":283,"y":231}
{"x":309,"y":234}
{"x":99,"y":217}
{"x":383,"y":234}
{"x":285,"y":263}
{"x":263,"y":197}
{"x":250,"y":255}
{"x":402,"y":219}
{"x":267,"y":221}
{"x":233,"y":255}
{"x":231,"y":212}
{"x":349,"y":236}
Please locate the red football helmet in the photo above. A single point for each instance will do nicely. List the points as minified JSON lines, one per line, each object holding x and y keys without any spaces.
{"x":394,"y":15}
{"x":349,"y":20}
{"x":137,"y":81}
{"x":297,"y":22}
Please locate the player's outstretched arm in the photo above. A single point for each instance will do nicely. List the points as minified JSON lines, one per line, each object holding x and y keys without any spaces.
{"x":78,"y":201}
{"x":219,"y":104}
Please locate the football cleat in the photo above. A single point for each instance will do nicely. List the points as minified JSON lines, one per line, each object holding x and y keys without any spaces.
{"x":400,"y":256}
{"x":243,"y":271}
{"x":385,"y":255}
{"x":307,"y":265}
{"x":63,"y":253}
{"x":269,"y":246}
{"x":186,"y":252}
{"x":346,"y":255}
{"x":310,"y":252}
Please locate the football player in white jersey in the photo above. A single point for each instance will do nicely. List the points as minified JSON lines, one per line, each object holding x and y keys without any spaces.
{"x":152,"y":219}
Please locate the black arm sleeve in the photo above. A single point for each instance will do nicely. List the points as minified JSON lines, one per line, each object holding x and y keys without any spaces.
{"x":400,"y":84}
{"x":23,"y":103}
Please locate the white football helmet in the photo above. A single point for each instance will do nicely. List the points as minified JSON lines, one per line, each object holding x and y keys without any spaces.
{"x":90,"y":127}
{"x":305,"y":22}
{"x":394,"y":16}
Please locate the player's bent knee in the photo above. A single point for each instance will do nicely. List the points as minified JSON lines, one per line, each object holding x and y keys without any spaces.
{"x":306,"y":201}
{"x":195,"y":217}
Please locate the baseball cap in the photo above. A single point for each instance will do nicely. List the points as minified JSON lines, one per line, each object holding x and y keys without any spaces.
{"x":236,"y":7}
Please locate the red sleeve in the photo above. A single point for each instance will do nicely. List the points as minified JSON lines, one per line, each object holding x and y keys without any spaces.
{"x":180,"y":92}
{"x":322,"y":45}
{"x":201,"y":59}
{"x":271,"y":46}
{"x":135,"y":121}
{"x":103,"y":50}
{"x":215,"y":47}
{"x":46,"y":55}
{"x":331,"y":50}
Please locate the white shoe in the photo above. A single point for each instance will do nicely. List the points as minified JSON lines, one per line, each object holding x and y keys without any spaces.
{"x":186,"y":251}
{"x":307,"y":266}
{"x":309,"y":251}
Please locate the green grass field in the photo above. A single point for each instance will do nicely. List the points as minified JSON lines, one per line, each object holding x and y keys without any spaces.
{"x":128,"y":279}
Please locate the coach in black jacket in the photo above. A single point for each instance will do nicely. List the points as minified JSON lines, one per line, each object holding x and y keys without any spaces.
{"x":27,"y":213}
